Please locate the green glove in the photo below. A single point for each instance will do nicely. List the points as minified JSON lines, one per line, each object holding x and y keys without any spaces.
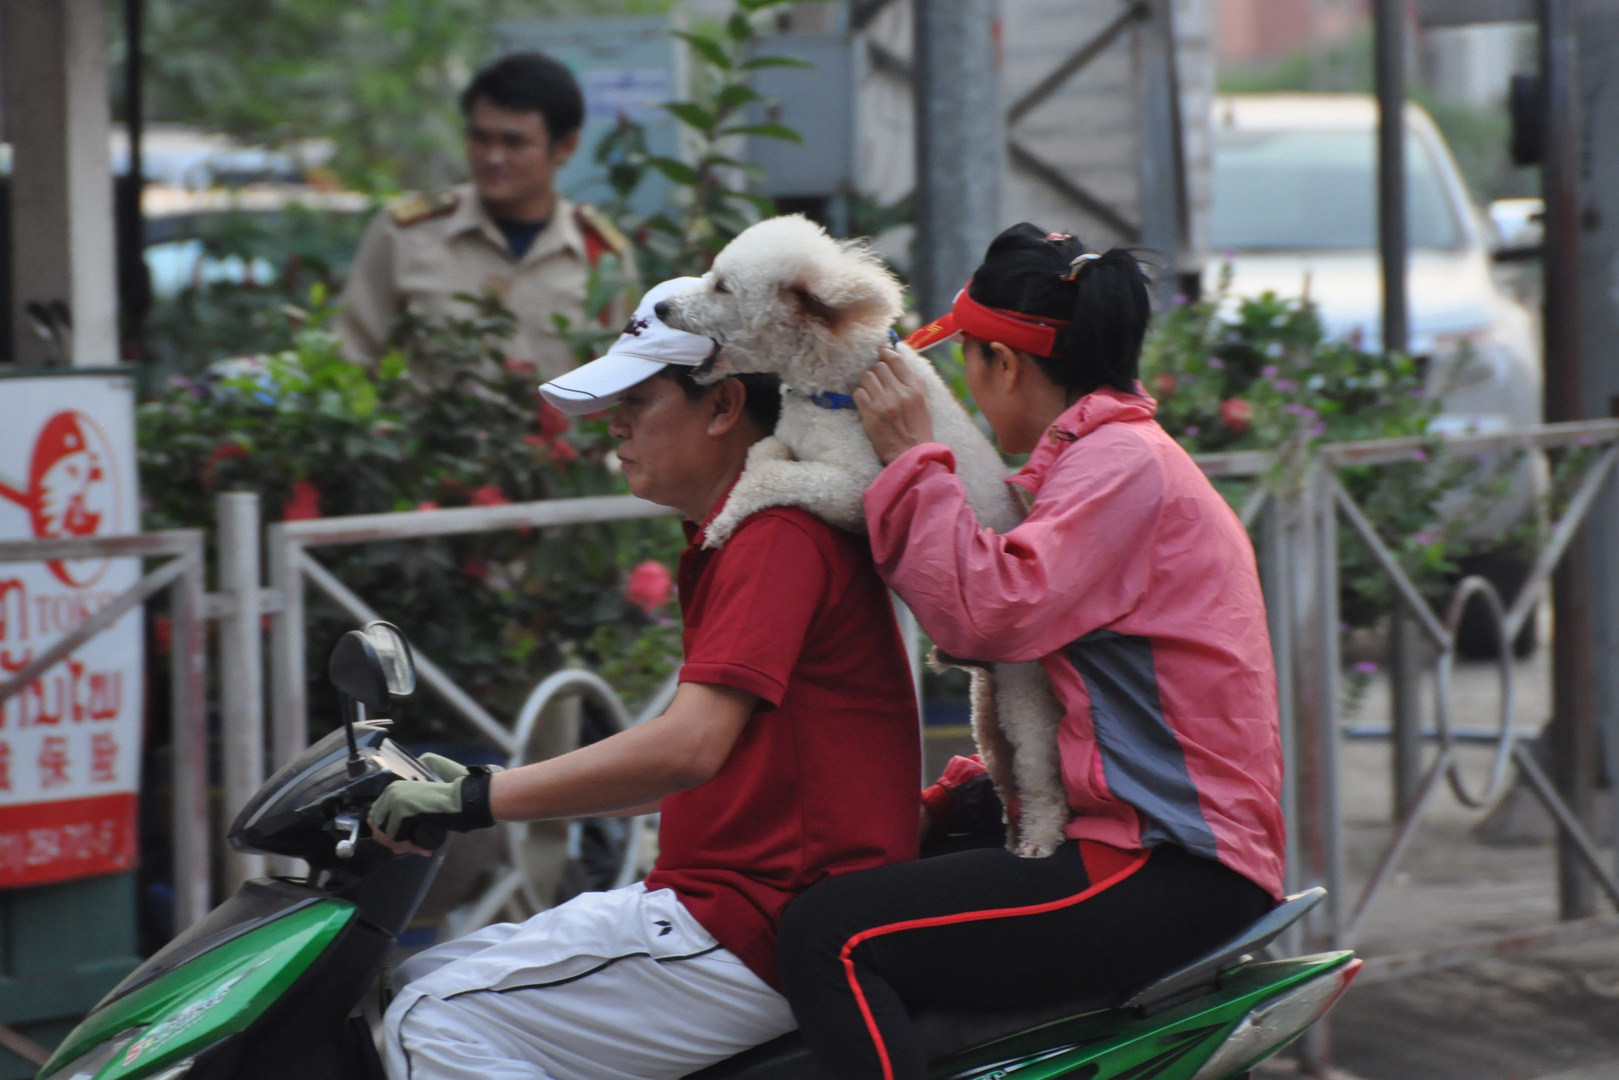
{"x":442,"y":767}
{"x":419,"y":811}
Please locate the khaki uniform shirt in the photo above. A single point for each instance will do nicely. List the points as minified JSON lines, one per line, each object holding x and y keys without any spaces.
{"x":420,"y":252}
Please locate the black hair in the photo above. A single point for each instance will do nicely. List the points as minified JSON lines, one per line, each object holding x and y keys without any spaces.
{"x":1105,"y":304}
{"x":763,"y":390}
{"x":530,"y":82}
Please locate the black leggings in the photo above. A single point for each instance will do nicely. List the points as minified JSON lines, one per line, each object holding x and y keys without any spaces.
{"x":984,"y":929}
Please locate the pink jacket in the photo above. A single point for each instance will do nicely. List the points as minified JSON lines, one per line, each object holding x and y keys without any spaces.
{"x":1135,"y":586}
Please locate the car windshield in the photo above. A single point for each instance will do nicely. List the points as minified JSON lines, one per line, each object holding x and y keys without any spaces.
{"x":1300,"y":189}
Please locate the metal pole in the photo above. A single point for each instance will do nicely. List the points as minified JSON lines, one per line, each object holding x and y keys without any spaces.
{"x":188,"y":742}
{"x":1320,"y":845}
{"x":1161,"y":165}
{"x":1574,"y":740}
{"x":959,"y":144}
{"x":241,"y":662}
{"x":1277,"y":567}
{"x":288,"y":732}
{"x":1405,"y":663}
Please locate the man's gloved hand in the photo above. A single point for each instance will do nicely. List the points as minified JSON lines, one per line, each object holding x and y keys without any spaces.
{"x":442,"y":767}
{"x":413,"y":811}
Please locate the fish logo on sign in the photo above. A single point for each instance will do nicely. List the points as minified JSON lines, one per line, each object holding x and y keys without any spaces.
{"x":72,"y":490}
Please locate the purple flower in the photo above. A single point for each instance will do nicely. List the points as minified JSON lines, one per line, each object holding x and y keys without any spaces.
{"x":1301,"y":410}
{"x":1420,"y":455}
{"x":1423,"y":538}
{"x":1192,"y":430}
{"x":1286,"y":386}
{"x":1216,"y":363}
{"x":1269,"y":371}
{"x":1366,"y":667}
{"x":1180,"y":299}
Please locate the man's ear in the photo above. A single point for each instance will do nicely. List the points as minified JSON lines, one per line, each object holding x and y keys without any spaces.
{"x":727,"y":404}
{"x":563,"y":149}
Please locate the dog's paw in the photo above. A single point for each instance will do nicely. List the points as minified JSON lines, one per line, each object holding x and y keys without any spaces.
{"x":1030,"y":849}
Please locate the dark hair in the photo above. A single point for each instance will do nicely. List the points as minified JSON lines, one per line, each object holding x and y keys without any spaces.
{"x":763,"y":389}
{"x":530,"y":82}
{"x":1105,"y":305}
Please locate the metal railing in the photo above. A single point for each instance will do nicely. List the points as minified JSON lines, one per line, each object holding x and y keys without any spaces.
{"x":1296,"y":525}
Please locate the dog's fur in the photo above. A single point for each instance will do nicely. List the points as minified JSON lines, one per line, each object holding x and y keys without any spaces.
{"x":784,"y":297}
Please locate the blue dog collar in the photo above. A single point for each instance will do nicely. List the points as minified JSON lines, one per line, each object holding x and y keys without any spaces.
{"x":829,"y":400}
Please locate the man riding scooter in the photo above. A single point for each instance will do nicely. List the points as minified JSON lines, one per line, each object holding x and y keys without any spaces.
{"x":789,"y":755}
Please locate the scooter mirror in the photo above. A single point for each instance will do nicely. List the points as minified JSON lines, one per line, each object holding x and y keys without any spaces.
{"x":398,"y":669}
{"x":373,"y":665}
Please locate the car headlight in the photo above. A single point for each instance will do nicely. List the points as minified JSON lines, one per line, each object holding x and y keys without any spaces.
{"x":1464,"y":361}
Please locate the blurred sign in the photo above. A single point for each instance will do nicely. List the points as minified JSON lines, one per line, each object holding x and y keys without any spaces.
{"x":70,"y":744}
{"x":632,"y":94}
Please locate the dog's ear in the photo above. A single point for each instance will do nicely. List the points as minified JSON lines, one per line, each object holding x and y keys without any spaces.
{"x":814,"y":307}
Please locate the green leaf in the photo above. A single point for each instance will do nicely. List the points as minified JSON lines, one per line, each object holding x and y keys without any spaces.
{"x":764,"y":131}
{"x":739,"y":27}
{"x":707,"y":48}
{"x":692,"y":115}
{"x":759,"y":5}
{"x":772,"y":62}
{"x":736,"y":94}
{"x":674,"y":169}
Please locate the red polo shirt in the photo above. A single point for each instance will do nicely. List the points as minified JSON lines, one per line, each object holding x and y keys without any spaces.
{"x":823,"y":779}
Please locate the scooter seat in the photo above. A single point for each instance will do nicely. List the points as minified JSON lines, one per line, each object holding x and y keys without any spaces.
{"x":943,"y":1031}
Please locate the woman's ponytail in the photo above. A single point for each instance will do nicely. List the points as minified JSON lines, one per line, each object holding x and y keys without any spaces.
{"x":1103,"y":298}
{"x":1101,"y":345}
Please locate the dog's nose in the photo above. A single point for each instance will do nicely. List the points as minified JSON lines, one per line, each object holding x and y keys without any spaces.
{"x":661,"y":310}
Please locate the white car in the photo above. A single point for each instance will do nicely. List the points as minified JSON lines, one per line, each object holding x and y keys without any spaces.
{"x":1294,"y":211}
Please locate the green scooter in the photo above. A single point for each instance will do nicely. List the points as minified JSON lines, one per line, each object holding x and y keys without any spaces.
{"x":287,"y":978}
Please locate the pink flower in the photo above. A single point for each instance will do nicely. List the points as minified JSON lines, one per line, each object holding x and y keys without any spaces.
{"x":649,"y":586}
{"x":1164,"y":384}
{"x":519,"y":366}
{"x":1236,"y":412}
{"x":426,"y":504}
{"x":303,"y":504}
{"x":475,"y":568}
{"x":489,"y":495}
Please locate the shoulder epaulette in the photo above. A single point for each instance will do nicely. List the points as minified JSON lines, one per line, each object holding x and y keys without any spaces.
{"x":600,"y":233}
{"x":416,"y":207}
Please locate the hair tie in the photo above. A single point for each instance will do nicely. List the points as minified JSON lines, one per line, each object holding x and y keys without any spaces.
{"x":1078,"y":263}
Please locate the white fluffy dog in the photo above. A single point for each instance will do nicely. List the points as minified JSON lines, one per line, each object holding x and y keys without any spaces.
{"x":786,"y":298}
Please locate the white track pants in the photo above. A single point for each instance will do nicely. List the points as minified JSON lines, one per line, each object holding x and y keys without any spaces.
{"x":621,"y":985}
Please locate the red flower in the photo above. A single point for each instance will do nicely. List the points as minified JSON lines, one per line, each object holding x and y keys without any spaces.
{"x":216,"y":456}
{"x":649,"y":586}
{"x":1164,"y":384}
{"x":518,"y":366}
{"x":552,"y":421}
{"x":1236,"y":412}
{"x":303,"y":504}
{"x":474,"y":568}
{"x":534,"y":440}
{"x":562,"y":452}
{"x":489,"y":495}
{"x":427,"y":504}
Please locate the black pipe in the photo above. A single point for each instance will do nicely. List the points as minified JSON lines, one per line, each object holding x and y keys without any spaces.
{"x":134,"y":283}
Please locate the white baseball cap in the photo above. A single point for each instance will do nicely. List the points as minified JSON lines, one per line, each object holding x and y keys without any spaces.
{"x":640,"y":352}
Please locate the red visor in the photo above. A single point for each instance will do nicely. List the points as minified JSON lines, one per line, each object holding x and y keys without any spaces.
{"x":1029,"y":333}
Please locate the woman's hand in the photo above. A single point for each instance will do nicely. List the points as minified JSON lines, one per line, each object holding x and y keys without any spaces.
{"x":893,"y":404}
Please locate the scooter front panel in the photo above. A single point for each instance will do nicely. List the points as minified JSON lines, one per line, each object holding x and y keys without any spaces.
{"x":214,"y":996}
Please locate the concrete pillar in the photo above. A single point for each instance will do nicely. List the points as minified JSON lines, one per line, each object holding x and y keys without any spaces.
{"x":57,"y":117}
{"x":960,"y":144}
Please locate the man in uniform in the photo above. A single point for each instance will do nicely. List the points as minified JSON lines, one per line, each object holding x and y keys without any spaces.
{"x":507,"y":231}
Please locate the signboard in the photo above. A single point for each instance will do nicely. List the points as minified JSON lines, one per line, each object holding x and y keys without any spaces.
{"x":70,"y":744}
